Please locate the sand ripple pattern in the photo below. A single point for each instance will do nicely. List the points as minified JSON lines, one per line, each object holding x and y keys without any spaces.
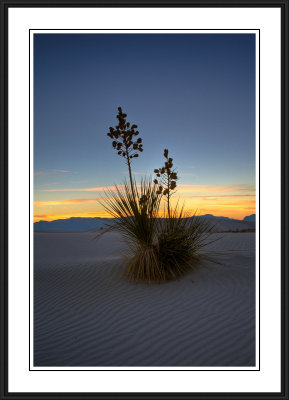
{"x":87,"y":314}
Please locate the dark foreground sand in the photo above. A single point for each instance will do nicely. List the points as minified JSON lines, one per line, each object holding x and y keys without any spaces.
{"x":87,"y":314}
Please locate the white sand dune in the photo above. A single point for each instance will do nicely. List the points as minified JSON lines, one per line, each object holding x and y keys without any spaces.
{"x":87,"y":314}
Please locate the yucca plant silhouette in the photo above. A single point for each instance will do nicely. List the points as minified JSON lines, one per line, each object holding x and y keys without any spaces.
{"x":134,"y":207}
{"x":167,"y":180}
{"x":181,"y":236}
{"x":159,"y":249}
{"x":135,"y":210}
{"x":181,"y":243}
{"x":123,"y":141}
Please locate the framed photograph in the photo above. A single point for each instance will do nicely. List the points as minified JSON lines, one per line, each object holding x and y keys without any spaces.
{"x":144,"y":199}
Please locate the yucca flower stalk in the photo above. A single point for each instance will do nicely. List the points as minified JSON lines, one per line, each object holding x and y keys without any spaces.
{"x":167,"y":180}
{"x":123,"y":141}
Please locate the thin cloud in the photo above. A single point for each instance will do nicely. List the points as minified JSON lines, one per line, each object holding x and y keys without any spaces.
{"x":217,"y":196}
{"x":141,"y":173}
{"x":189,"y":188}
{"x":214,"y":188}
{"x":51,"y":172}
{"x":187,"y":174}
{"x":92,"y":189}
{"x":66,"y":202}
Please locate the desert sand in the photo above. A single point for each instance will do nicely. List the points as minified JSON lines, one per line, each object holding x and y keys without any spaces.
{"x":87,"y":314}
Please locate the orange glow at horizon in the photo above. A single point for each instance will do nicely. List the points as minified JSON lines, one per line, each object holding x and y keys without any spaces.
{"x":233,"y":206}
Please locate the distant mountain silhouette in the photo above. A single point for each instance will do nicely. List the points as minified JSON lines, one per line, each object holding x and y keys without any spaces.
{"x":221,"y":224}
{"x":251,"y":217}
{"x":213,"y":216}
{"x":72,"y":224}
{"x":75,"y":224}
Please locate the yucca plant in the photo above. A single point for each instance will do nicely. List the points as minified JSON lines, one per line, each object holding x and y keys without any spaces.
{"x":160,"y":249}
{"x":181,"y":242}
{"x":135,"y":210}
{"x":181,"y":237}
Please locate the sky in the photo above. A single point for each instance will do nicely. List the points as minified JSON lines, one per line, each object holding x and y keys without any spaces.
{"x":193,"y":94}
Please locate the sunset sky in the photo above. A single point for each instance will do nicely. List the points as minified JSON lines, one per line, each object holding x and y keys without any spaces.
{"x":191,"y":93}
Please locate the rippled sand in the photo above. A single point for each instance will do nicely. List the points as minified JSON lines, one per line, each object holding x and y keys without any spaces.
{"x":87,"y":314}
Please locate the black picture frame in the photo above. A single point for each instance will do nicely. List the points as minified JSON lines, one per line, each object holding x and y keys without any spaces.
{"x":5,"y":5}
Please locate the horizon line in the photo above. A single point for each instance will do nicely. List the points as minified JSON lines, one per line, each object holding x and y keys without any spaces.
{"x":107,"y":217}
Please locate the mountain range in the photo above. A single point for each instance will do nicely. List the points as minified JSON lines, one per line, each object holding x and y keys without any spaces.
{"x":74,"y":224}
{"x":251,"y":217}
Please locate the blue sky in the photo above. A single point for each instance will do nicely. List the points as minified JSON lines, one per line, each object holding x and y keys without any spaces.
{"x":191,"y":93}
